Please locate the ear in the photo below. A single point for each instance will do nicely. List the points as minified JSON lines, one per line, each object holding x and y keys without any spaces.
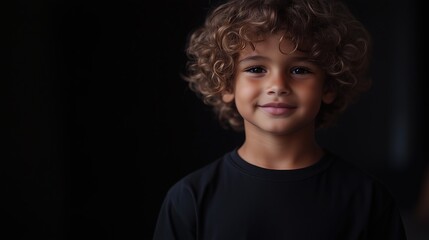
{"x":329,"y":96}
{"x":227,"y":97}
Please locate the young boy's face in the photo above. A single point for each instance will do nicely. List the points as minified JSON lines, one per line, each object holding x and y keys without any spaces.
{"x":278,"y":91}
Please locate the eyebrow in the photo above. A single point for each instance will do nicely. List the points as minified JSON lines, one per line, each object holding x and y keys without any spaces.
{"x":255,"y":57}
{"x":259,"y":57}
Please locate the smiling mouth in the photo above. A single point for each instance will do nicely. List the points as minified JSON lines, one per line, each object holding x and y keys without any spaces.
{"x":278,"y":109}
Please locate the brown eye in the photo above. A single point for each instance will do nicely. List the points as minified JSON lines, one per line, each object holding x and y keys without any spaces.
{"x":300,"y":70}
{"x":256,"y":70}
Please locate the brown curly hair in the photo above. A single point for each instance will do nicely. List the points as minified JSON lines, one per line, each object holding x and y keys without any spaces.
{"x":325,"y":29}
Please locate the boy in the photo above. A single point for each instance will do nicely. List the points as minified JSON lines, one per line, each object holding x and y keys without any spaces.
{"x":279,"y":70}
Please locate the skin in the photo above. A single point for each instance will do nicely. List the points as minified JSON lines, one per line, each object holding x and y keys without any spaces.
{"x":279,"y":94}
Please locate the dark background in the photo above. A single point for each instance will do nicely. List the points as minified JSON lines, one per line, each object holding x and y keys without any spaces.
{"x":97,"y":123}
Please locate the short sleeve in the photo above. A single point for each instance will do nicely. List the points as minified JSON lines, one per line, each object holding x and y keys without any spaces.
{"x":177,"y":216}
{"x":386,"y":221}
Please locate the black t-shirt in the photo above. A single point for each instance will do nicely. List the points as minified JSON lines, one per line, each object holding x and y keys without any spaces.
{"x":231,"y":199}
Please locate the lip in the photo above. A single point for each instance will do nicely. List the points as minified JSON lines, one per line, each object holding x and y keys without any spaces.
{"x":278,"y":108}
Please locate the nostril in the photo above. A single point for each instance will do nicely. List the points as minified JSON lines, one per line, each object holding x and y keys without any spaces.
{"x":284,"y":92}
{"x":278,"y":92}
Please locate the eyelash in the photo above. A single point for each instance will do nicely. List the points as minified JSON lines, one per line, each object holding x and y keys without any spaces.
{"x":255,"y":69}
{"x":259,"y":69}
{"x":303,"y":70}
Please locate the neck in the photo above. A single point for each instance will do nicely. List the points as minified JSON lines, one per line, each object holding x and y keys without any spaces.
{"x":281,"y":152}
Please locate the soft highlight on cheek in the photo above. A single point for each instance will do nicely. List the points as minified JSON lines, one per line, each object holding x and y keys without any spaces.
{"x":246,"y":91}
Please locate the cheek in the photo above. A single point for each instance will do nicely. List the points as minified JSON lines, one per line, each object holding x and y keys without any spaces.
{"x":245,"y":97}
{"x":311,"y":107}
{"x":312,"y":97}
{"x":246,"y":91}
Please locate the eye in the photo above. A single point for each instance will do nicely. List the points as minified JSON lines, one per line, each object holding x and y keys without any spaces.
{"x":255,"y":69}
{"x":300,"y":70}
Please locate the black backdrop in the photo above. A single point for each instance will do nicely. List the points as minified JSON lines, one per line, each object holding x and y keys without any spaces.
{"x":98,"y":124}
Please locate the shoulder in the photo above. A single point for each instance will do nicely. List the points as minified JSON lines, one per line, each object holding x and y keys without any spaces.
{"x":366,"y":189}
{"x":178,"y":215}
{"x":359,"y":180}
{"x":368,"y":197}
{"x":180,"y":205}
{"x":194,"y":184}
{"x":350,"y":171}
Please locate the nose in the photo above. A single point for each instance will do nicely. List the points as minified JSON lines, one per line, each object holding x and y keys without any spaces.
{"x":278,"y":86}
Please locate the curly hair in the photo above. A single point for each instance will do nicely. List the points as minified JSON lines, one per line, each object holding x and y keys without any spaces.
{"x":325,"y":29}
